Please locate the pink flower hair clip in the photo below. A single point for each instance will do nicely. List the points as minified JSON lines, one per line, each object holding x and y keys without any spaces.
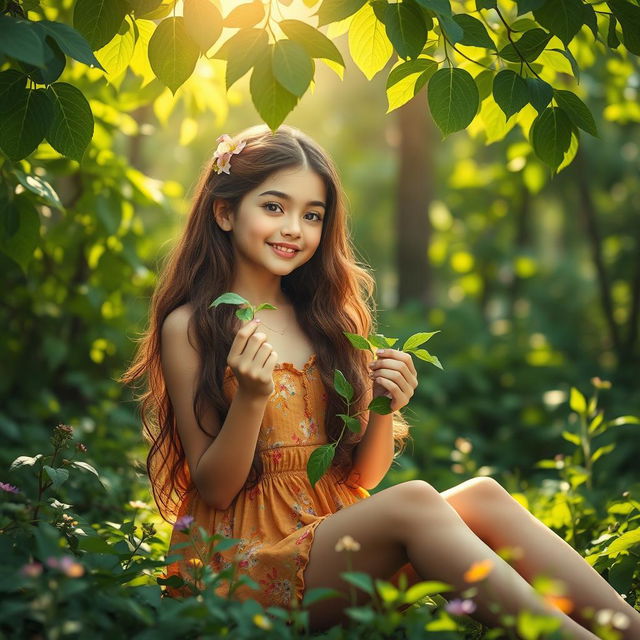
{"x":222,"y":155}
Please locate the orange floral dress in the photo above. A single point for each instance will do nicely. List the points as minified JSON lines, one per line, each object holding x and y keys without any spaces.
{"x":276,"y":520}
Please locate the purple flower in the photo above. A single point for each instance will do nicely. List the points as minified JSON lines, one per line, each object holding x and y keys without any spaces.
{"x":9,"y":488}
{"x":184,"y":523}
{"x":460,"y":607}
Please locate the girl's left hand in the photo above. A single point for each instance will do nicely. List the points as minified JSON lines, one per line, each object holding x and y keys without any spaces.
{"x":395,"y":376}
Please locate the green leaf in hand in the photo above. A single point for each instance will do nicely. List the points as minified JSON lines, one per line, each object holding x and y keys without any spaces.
{"x":423,"y":354}
{"x":319,"y":461}
{"x":416,"y":340}
{"x":381,"y":405}
{"x":342,"y":386}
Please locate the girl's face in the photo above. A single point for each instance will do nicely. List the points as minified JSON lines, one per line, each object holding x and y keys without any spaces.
{"x":287,"y":208}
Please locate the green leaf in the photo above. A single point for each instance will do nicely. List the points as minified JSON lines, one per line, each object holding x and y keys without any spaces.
{"x":576,"y":110}
{"x":358,"y":578}
{"x":453,"y":99}
{"x":417,"y":339}
{"x":20,"y":244}
{"x":622,"y":420}
{"x":563,"y":18}
{"x":423,"y":354}
{"x":450,"y":28}
{"x":359,"y":342}
{"x":369,"y":44}
{"x":58,"y":476}
{"x":272,"y":101}
{"x":381,"y":342}
{"x":71,"y":42}
{"x":550,"y":135}
{"x":524,"y":6}
{"x":245,"y":314}
{"x":625,"y":542}
{"x":336,"y":10}
{"x":577,"y":401}
{"x":229,"y":298}
{"x":529,"y":46}
{"x":99,"y":20}
{"x":242,"y":51}
{"x":475,"y":33}
{"x":353,"y":424}
{"x":172,"y":53}
{"x":628,"y":16}
{"x":572,"y":438}
{"x":203,"y":22}
{"x":540,"y":93}
{"x":342,"y":386}
{"x":21,"y":40}
{"x":510,"y":92}
{"x":406,"y":29}
{"x":40,"y":187}
{"x":406,"y":80}
{"x":265,"y":305}
{"x":420,"y":590}
{"x":245,"y":15}
{"x":311,"y":596}
{"x":13,"y":88}
{"x":612,"y":36}
{"x":439,"y":6}
{"x":381,"y":405}
{"x":316,"y":44}
{"x":387,"y":591}
{"x":24,"y":125}
{"x":486,"y":4}
{"x":319,"y":461}
{"x":141,"y":7}
{"x":72,"y":127}
{"x":596,"y":422}
{"x":601,"y":451}
{"x":292,"y":66}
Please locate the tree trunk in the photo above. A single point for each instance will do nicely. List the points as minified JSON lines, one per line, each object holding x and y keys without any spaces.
{"x":414,"y":194}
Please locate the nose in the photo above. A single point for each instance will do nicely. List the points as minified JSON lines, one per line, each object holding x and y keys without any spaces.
{"x":291,"y":226}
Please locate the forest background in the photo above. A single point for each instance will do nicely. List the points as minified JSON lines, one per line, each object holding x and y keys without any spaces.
{"x":520,"y":246}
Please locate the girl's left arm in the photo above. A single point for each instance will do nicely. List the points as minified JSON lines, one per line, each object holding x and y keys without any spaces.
{"x":395,"y":376}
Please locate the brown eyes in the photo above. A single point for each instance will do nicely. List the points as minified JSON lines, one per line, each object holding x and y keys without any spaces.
{"x":275,"y":204}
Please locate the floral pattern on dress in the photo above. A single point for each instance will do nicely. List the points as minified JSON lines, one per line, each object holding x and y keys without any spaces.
{"x":274,"y":521}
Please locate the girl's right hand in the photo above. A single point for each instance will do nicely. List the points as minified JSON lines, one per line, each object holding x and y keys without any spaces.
{"x":252,"y":360}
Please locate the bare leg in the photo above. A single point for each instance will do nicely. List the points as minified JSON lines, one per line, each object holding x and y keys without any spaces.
{"x":502,"y":521}
{"x":411,"y":522}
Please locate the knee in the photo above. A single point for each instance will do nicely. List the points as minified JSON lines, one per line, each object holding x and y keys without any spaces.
{"x":417,"y":493}
{"x":485,"y":488}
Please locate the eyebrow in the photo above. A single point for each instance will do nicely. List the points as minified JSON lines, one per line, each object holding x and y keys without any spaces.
{"x":280,"y":194}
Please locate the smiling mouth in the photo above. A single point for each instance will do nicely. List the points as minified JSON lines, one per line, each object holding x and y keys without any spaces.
{"x":284,"y":249}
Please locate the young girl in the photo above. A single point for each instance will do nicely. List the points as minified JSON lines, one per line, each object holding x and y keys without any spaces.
{"x":233,"y":411}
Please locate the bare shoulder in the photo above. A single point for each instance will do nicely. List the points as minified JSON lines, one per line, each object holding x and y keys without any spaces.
{"x":178,"y":320}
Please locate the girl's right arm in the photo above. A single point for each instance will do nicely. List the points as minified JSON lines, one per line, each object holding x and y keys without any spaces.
{"x":219,"y":464}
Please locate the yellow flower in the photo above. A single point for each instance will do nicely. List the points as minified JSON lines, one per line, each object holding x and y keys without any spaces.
{"x":560,"y":602}
{"x":262,"y":621}
{"x":194,"y":562}
{"x":348,"y":543}
{"x":478,"y":571}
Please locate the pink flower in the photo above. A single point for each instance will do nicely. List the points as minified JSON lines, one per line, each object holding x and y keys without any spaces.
{"x":226,"y":148}
{"x":9,"y":488}
{"x":460,"y":607}
{"x":31,"y":569}
{"x":183,"y":523}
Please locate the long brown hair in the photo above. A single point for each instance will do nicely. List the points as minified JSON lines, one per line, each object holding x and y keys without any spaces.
{"x":331,"y":293}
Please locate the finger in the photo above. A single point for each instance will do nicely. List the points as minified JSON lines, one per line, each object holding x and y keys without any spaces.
{"x":241,"y":339}
{"x":392,"y":391}
{"x":398,"y":356}
{"x":254,"y":343}
{"x":397,"y":377}
{"x":263,"y":354}
{"x":387,"y":364}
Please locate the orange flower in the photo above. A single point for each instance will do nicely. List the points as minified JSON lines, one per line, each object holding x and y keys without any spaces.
{"x":194,"y":562}
{"x":560,"y":602}
{"x":478,"y":570}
